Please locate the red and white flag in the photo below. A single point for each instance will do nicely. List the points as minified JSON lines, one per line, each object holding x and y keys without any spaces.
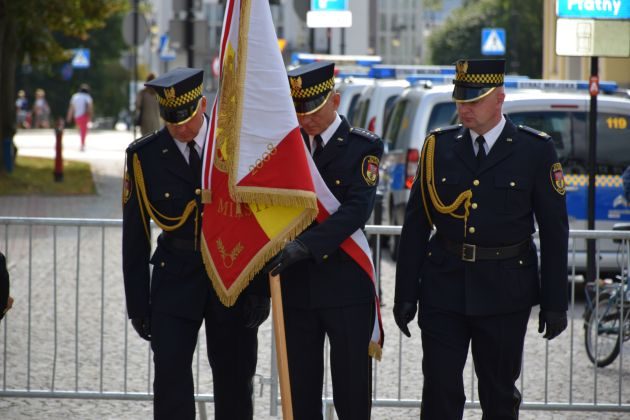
{"x":260,"y":185}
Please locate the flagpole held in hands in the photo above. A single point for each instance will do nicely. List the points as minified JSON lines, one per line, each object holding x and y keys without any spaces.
{"x":281,"y":347}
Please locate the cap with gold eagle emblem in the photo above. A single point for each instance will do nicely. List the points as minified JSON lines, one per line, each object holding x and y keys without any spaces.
{"x":475,"y":79}
{"x":311,"y":86}
{"x":178,"y":93}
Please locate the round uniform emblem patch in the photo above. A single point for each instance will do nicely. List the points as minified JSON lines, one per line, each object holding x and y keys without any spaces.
{"x":557,"y":178}
{"x":126,"y":188}
{"x":369,"y":169}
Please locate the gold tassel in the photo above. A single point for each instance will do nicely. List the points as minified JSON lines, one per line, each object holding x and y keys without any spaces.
{"x":375,"y":351}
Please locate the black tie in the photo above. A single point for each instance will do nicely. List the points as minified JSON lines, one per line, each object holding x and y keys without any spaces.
{"x":319,"y":147}
{"x":194,"y":161}
{"x":481,"y":153}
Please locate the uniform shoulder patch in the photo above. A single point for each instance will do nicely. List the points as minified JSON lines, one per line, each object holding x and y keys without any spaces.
{"x":557,"y":178}
{"x":538,"y":134}
{"x":369,"y":170}
{"x":366,"y":134}
{"x":446,"y":129}
{"x":138,"y":143}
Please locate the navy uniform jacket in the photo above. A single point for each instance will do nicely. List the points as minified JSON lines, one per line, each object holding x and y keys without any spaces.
{"x":331,"y":278}
{"x":183,"y":288}
{"x":514,"y":184}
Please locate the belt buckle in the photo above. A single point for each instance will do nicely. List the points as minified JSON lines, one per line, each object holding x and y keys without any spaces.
{"x":469,"y":252}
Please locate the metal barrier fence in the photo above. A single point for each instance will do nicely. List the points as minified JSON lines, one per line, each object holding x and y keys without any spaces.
{"x":68,"y":335}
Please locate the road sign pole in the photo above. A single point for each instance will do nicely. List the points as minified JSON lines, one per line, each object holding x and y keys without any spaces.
{"x":592,"y":165}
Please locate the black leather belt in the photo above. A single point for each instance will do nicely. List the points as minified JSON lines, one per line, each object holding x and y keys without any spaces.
{"x":178,"y":243}
{"x":472,"y":253}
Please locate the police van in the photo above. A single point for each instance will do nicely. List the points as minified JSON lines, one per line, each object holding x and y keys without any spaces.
{"x":375,"y":103}
{"x":559,"y":108}
{"x":350,"y":88}
{"x":565,"y":117}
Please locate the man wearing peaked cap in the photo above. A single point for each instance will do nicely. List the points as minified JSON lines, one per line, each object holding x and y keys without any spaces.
{"x":482,"y":185}
{"x":325,"y":292}
{"x":162,"y":182}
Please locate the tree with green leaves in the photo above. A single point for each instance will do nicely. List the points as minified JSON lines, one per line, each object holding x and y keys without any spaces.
{"x":460,"y":36}
{"x":31,"y":28}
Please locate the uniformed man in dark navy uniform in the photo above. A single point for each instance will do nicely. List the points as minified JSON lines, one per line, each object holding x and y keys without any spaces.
{"x":480,"y":185}
{"x":325,"y":292}
{"x":162,"y":183}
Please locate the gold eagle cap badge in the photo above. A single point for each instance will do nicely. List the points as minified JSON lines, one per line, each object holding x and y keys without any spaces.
{"x":462,"y":66}
{"x":296,"y":83}
{"x":169,"y":93}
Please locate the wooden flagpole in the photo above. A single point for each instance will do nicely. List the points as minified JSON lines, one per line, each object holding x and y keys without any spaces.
{"x":281,"y":347}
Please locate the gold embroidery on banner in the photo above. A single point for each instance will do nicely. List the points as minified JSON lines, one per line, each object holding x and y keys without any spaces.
{"x":228,"y":258}
{"x":227,"y":109}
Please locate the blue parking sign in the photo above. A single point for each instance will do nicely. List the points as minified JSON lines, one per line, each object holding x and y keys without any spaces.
{"x":493,"y":41}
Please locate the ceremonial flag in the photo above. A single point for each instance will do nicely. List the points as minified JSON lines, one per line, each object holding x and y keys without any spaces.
{"x":260,"y":187}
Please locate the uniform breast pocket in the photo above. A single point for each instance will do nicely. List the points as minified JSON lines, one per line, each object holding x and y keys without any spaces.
{"x":514,"y":192}
{"x":448,"y":186}
{"x":338,"y":182}
{"x":168,"y":200}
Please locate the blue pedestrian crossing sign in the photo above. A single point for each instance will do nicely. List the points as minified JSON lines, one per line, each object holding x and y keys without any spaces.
{"x":81,"y":58}
{"x":493,"y":41}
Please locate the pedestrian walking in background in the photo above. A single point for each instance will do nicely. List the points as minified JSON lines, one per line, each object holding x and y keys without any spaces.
{"x":81,"y":109}
{"x":162,"y":181}
{"x":147,"y":109}
{"x":476,"y":279}
{"x":41,"y":110}
{"x":6,"y":301}
{"x":22,"y":110}
{"x":324,"y":291}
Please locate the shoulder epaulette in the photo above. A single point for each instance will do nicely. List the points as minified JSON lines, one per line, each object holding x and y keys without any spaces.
{"x":368,"y":135}
{"x":441,"y":130}
{"x":138,"y":143}
{"x":538,"y":134}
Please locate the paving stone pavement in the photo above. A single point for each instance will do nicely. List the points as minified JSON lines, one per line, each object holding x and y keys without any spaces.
{"x":98,"y":368}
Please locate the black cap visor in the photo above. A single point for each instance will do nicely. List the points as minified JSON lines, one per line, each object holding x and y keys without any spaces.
{"x":310,"y":105}
{"x":181,"y":115}
{"x":471,"y":94}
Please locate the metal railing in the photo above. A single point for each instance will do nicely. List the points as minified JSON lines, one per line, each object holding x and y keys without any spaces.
{"x":68,"y":336}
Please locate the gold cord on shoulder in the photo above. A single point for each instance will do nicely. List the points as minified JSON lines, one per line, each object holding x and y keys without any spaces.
{"x":427,"y":158}
{"x":160,"y":219}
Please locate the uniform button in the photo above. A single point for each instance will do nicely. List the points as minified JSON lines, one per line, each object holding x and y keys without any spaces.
{"x":201,"y":214}
{"x":429,"y":254}
{"x":443,"y":179}
{"x":476,"y":182}
{"x":471,"y":229}
{"x":167,"y":195}
{"x":337,"y":182}
{"x":325,"y":257}
{"x":162,"y":264}
{"x":198,"y":191}
{"x":520,"y":262}
{"x":512,"y":184}
{"x":473,"y":205}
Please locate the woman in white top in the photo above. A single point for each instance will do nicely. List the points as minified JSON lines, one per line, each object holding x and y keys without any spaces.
{"x":81,"y":109}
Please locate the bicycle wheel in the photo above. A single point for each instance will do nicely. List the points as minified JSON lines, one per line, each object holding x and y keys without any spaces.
{"x":601,"y":335}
